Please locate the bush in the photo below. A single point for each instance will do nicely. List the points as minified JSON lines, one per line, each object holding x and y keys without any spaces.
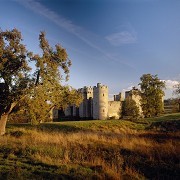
{"x":130,"y":109}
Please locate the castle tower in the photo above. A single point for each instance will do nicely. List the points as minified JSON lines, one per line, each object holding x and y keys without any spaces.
{"x":82,"y":105}
{"x":100,"y":102}
{"x":89,"y":102}
{"x":85,"y":109}
{"x":118,"y":97}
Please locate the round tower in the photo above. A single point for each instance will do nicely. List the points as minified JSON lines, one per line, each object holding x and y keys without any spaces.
{"x":100,"y":102}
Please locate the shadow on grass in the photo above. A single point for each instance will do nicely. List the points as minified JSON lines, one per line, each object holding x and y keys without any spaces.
{"x":20,"y":125}
{"x":28,"y":169}
{"x":160,"y":137}
{"x":152,"y":169}
{"x":58,"y":128}
{"x":46,"y":127}
{"x":168,"y":125}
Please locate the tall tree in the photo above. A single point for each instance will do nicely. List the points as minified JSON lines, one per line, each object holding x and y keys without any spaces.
{"x":151,"y":95}
{"x":42,"y":88}
{"x":14,"y":73}
{"x":49,"y":92}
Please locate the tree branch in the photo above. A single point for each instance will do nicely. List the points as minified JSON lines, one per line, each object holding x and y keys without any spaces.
{"x":37,"y":78}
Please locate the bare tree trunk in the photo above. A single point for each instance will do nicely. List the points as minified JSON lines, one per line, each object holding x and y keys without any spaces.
{"x":3,"y":122}
{"x":4,"y":118}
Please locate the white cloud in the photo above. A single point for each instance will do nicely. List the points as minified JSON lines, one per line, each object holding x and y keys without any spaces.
{"x":38,"y":8}
{"x":59,"y":20}
{"x":170,"y":84}
{"x":120,"y":38}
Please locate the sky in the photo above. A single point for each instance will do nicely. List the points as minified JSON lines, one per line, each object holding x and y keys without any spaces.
{"x":113,"y":42}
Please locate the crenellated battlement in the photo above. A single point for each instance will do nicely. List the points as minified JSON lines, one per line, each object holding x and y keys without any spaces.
{"x":87,"y":89}
{"x":100,"y":86}
{"x":96,"y":104}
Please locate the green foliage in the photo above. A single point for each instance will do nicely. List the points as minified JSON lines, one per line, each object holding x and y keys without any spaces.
{"x":35,"y":92}
{"x":130,"y":108}
{"x":49,"y":93}
{"x":151,"y":95}
{"x":14,"y":69}
{"x":38,"y":108}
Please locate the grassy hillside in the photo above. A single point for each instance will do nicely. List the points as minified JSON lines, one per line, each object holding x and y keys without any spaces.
{"x":112,"y":149}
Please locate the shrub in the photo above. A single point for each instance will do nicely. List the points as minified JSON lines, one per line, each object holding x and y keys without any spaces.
{"x":130,"y":108}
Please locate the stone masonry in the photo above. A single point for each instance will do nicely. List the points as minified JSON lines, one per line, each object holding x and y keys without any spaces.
{"x":96,"y":104}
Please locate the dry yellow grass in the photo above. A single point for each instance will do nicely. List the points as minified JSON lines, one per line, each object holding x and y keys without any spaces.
{"x":117,"y":153}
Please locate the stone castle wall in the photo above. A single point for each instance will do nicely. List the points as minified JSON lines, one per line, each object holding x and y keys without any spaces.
{"x":136,"y":97}
{"x":114,"y":109}
{"x":95,"y":104}
{"x":86,"y":107}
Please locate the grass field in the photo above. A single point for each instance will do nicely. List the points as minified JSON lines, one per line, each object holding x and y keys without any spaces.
{"x":109,"y":149}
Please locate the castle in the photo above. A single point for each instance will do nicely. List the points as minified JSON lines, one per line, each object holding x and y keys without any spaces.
{"x":96,"y":104}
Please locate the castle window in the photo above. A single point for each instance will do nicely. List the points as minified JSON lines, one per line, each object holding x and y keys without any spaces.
{"x":103,"y":94}
{"x":103,"y":110}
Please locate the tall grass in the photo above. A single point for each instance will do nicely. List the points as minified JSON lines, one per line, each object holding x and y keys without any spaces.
{"x":121,"y":154}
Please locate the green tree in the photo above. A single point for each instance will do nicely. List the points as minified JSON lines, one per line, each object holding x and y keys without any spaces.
{"x":151,"y":95}
{"x":130,"y":108}
{"x":14,"y":73}
{"x":50,"y":92}
{"x":43,"y":102}
{"x":42,"y":88}
{"x":177,"y":92}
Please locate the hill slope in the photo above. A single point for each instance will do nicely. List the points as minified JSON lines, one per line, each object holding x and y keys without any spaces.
{"x":114,"y":149}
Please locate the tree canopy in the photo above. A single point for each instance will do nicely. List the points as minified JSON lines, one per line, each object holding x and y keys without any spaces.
{"x":151,"y":95}
{"x":41,"y":87}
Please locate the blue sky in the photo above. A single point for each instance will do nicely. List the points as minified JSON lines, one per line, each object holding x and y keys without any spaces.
{"x":109,"y":41}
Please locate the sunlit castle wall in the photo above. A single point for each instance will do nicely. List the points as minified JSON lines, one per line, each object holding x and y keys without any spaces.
{"x":100,"y":102}
{"x":114,"y":109}
{"x":136,"y":97}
